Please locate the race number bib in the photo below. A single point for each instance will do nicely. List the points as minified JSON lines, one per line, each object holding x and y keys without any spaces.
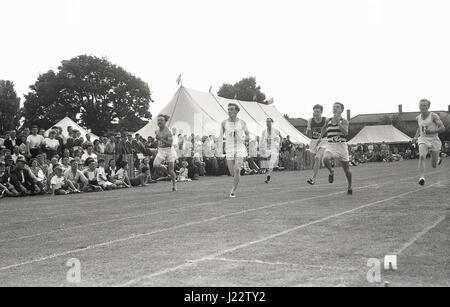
{"x":336,"y":139}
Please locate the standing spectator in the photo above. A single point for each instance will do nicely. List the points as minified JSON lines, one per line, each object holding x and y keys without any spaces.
{"x":89,"y":154}
{"x":9,"y":142}
{"x":34,"y":142}
{"x":110,"y":147}
{"x":51,"y":144}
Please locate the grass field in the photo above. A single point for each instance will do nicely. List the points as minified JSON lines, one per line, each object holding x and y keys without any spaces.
{"x":282,"y":234}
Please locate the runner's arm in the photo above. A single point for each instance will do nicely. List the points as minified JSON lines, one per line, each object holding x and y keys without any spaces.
{"x":220,"y":140}
{"x":440,"y":125}
{"x":343,"y":125}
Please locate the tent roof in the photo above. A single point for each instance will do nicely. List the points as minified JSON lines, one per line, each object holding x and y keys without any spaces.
{"x":379,"y":134}
{"x":202,"y":113}
{"x":66,"y":122}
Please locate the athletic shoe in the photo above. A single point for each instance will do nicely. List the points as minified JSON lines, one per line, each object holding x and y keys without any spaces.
{"x":422,"y":181}
{"x":268,"y":179}
{"x":232,"y":195}
{"x":331,"y":178}
{"x":174,"y":188}
{"x":311,"y":181}
{"x":2,"y":194}
{"x":439,"y":161}
{"x":350,"y":192}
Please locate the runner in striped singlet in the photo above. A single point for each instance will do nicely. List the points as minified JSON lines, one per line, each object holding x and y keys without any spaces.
{"x":336,"y":148}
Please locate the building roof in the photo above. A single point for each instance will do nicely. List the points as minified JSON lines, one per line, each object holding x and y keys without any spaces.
{"x":377,"y":118}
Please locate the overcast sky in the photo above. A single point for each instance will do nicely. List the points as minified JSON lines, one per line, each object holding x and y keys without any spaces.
{"x":370,"y":55}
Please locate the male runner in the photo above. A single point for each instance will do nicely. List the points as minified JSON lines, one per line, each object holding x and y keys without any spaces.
{"x":430,"y":125}
{"x":270,"y":143}
{"x":336,"y":131}
{"x":165,"y":150}
{"x":314,"y":132}
{"x":236,"y":134}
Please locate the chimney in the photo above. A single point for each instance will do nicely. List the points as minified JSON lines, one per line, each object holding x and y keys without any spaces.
{"x":400,"y":108}
{"x":348,"y":115}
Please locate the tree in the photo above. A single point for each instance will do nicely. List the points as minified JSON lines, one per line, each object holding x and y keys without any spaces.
{"x":245,"y":90}
{"x":9,"y":107}
{"x":102,"y":95}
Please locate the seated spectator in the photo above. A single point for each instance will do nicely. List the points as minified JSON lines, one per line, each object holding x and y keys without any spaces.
{"x":76,"y":176}
{"x":65,"y":163}
{"x":91,"y":174}
{"x":183,"y":172}
{"x":111,"y":174}
{"x":102,"y":178}
{"x":23,"y":145}
{"x":23,"y":180}
{"x":145,"y":163}
{"x":6,"y":188}
{"x":87,"y":141}
{"x":122,"y":175}
{"x":41,"y":178}
{"x":53,"y":163}
{"x":60,"y":185}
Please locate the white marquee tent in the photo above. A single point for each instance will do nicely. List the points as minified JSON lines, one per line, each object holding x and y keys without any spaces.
{"x":66,"y":122}
{"x":379,"y":134}
{"x":201,"y":113}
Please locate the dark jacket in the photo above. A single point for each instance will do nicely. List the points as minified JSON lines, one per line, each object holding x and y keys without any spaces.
{"x":16,"y":178}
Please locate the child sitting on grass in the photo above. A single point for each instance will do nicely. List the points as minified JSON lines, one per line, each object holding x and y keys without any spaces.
{"x":101,"y":176}
{"x":59,"y":185}
{"x":183,"y":172}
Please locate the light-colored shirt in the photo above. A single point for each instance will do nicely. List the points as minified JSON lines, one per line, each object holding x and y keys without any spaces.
{"x":35,"y":140}
{"x":57,"y":182}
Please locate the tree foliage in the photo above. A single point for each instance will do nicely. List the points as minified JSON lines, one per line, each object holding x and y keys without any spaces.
{"x":245,"y":90}
{"x":9,"y":106}
{"x":99,"y":93}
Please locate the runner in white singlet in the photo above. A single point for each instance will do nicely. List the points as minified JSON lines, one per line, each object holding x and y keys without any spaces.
{"x":270,"y":144}
{"x":427,"y":136}
{"x":236,"y":134}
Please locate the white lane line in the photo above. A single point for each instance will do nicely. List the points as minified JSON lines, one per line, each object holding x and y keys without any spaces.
{"x":155,"y":193}
{"x":277,"y":263}
{"x":160,"y":212}
{"x":134,"y":236}
{"x":247,"y":244}
{"x":418,"y":236}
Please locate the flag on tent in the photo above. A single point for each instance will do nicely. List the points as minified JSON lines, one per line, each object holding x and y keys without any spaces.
{"x":179,"y":79}
{"x":210,"y":89}
{"x":235,"y":96}
{"x":255,"y":97}
{"x":270,"y":101}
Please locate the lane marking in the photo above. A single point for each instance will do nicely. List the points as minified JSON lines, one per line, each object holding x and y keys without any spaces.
{"x":282,"y":233}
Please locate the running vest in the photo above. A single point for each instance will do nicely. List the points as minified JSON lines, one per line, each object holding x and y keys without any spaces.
{"x":425,"y":124}
{"x":273,"y":140}
{"x":334,"y":134}
{"x":234,"y":133}
{"x":316,"y":128}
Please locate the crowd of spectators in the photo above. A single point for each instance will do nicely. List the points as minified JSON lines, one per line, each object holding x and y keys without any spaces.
{"x":35,"y":162}
{"x":364,"y":153}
